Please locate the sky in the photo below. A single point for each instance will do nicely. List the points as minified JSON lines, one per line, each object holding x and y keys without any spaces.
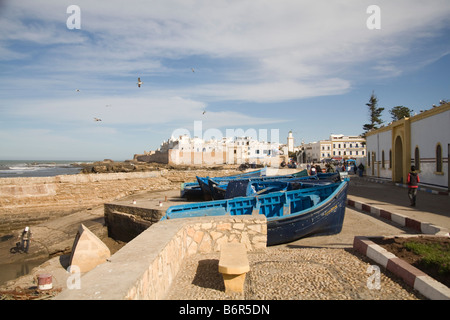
{"x":261,"y":66}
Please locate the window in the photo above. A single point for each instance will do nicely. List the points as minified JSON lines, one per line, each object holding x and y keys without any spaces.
{"x":382,"y":159}
{"x":368,"y":159}
{"x":417,"y":158}
{"x":438,"y":158}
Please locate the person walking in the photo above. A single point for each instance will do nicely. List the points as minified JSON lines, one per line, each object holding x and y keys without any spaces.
{"x":361,"y":169}
{"x":25,"y":238}
{"x":412,"y":182}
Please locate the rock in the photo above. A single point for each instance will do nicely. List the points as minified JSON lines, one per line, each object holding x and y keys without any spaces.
{"x":88,"y":251}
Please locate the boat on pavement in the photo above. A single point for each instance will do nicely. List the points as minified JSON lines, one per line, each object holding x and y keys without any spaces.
{"x":291,"y":214}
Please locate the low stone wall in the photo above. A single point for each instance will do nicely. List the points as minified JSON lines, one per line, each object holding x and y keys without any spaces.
{"x":146,"y":267}
{"x":124,"y":223}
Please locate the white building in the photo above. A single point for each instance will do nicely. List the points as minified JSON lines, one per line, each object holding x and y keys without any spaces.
{"x":186,"y":150}
{"x":422,"y":140}
{"x":338,"y":147}
{"x":347,"y":147}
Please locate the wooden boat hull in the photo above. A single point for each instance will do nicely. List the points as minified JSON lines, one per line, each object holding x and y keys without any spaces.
{"x":327,"y":218}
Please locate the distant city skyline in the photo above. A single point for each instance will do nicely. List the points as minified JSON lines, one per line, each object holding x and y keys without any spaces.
{"x":104,"y":80}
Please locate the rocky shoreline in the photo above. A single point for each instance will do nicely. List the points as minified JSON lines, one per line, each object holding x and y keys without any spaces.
{"x":110,"y":166}
{"x":55,"y":206}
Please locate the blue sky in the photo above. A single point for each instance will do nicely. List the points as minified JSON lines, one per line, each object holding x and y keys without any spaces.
{"x":305,"y":66}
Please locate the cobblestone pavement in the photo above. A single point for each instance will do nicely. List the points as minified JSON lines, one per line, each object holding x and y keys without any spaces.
{"x":282,"y":273}
{"x":319,"y":268}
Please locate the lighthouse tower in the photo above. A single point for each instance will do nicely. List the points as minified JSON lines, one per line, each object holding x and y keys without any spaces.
{"x":290,"y":142}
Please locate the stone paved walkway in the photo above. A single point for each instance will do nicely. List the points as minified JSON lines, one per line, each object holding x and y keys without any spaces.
{"x":324,"y":267}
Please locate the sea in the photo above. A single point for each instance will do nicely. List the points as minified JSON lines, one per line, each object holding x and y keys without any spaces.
{"x":39,"y":168}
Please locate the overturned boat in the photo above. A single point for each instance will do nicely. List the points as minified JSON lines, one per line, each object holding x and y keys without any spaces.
{"x":291,"y":215}
{"x":213,"y":188}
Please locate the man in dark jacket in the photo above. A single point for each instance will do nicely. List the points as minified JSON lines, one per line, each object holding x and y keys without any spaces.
{"x":413,"y":180}
{"x":25,"y":238}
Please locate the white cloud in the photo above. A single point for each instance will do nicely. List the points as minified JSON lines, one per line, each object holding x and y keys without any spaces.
{"x":300,"y":43}
{"x":126,"y":111}
{"x":264,"y":51}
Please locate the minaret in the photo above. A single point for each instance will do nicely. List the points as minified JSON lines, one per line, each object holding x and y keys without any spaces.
{"x":290,"y":142}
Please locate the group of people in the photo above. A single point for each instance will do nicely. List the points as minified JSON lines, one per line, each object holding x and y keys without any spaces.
{"x":412,"y":180}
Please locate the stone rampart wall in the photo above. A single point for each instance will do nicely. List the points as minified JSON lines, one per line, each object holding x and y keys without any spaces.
{"x":146,"y":267}
{"x":27,"y":201}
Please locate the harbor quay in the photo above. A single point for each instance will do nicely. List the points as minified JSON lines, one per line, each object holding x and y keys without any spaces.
{"x":312,"y":268}
{"x":178,"y":260}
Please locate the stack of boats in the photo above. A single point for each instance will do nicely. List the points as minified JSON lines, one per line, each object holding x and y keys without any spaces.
{"x":295,"y":205}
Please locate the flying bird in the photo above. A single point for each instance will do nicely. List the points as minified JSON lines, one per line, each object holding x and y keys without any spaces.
{"x":192,"y":69}
{"x":204,"y":111}
{"x":78,"y":90}
{"x":139,"y":82}
{"x":97,"y":119}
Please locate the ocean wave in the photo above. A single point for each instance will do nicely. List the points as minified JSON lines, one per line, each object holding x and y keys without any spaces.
{"x":37,"y":169}
{"x":23,"y":168}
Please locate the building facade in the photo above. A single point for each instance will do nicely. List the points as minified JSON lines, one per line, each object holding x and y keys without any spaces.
{"x":422,"y":140}
{"x":184,"y":150}
{"x":338,"y":147}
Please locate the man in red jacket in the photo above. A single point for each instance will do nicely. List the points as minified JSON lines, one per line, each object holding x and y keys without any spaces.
{"x":413,"y":180}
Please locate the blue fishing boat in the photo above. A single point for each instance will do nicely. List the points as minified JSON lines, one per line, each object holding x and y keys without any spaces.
{"x":212,"y":187}
{"x":291,"y":215}
{"x":262,"y":185}
{"x":195,"y":190}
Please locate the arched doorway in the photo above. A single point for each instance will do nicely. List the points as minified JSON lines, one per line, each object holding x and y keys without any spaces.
{"x":398,"y":160}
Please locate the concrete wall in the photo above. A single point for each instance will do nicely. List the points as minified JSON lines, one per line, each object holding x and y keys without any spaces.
{"x":127,"y":222}
{"x":146,"y":267}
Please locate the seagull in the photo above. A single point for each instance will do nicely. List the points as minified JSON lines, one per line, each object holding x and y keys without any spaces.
{"x":139,"y":82}
{"x":192,"y":69}
{"x":78,"y":90}
{"x":204,"y":111}
{"x":97,"y":119}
